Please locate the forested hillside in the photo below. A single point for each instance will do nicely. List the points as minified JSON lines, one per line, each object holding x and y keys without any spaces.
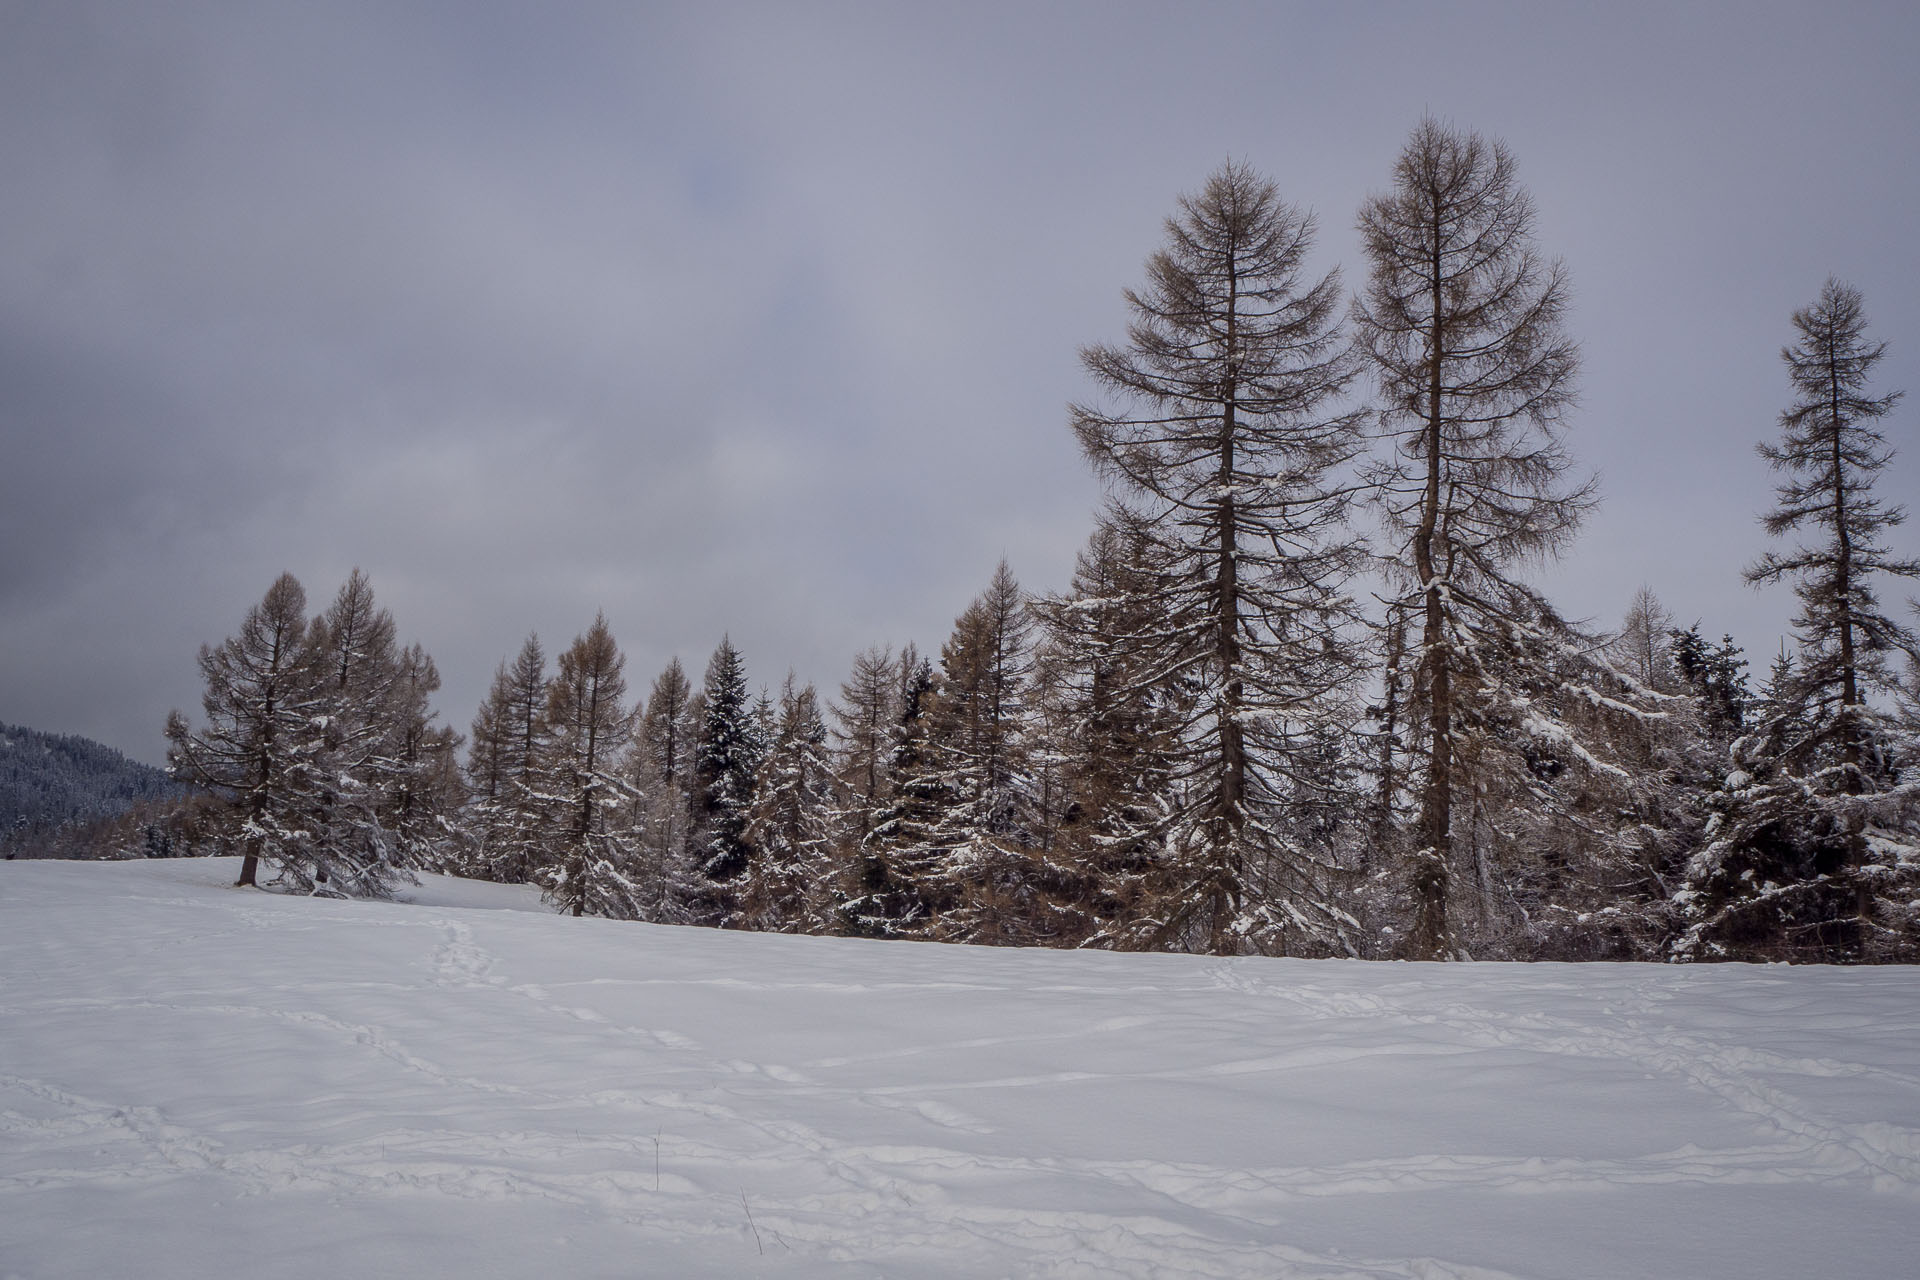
{"x":50,"y":781}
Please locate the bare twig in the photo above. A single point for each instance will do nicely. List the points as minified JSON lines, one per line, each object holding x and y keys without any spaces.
{"x":756,"y":1231}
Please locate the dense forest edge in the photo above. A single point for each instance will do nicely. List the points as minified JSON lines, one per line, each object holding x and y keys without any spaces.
{"x":59,"y":792}
{"x":1298,"y":699}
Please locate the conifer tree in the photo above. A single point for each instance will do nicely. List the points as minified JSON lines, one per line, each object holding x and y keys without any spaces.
{"x":323,"y":731}
{"x":726,"y":755}
{"x":662,"y":769}
{"x":1570,"y":827}
{"x":1227,"y":448}
{"x":866,"y":721}
{"x":887,"y":898}
{"x":485,"y":776}
{"x":1644,"y":643}
{"x":253,"y":753}
{"x":786,"y":887}
{"x":1821,"y":839}
{"x":973,"y":853}
{"x":865,"y":717}
{"x":1716,"y":678}
{"x":504,"y":768}
{"x":423,"y":786}
{"x":1461,"y":323}
{"x":356,"y":656}
{"x":1114,"y":722}
{"x":589,"y":869}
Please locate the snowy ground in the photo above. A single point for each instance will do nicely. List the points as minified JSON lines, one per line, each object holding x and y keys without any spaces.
{"x":202,"y":1081}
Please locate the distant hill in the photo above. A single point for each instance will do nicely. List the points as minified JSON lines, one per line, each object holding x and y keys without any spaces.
{"x":50,"y":781}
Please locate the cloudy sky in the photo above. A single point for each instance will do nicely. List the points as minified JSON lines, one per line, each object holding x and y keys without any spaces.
{"x":763,"y":319}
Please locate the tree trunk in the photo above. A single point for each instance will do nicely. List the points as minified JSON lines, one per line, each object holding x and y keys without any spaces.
{"x":1849,"y":683}
{"x":1432,"y":859}
{"x":1233,"y":751}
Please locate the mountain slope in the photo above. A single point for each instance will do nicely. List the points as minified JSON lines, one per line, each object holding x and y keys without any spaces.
{"x":201,"y":1080}
{"x":53,"y":779}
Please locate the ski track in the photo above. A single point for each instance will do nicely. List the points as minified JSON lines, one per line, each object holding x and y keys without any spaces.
{"x":684,"y":1158}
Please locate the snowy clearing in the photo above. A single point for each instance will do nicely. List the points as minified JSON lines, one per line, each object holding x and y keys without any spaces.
{"x":197,"y":1080}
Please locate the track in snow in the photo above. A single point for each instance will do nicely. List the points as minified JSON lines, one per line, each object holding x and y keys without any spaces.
{"x":194,"y":1077}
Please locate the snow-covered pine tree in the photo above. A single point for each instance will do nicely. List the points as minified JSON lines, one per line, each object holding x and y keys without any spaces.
{"x":1716,"y":677}
{"x":354,"y":742}
{"x":787,"y":886}
{"x":1461,"y":322}
{"x":866,"y":720}
{"x":485,"y":776}
{"x":1111,"y":721}
{"x":1228,"y":446}
{"x":662,"y":769}
{"x":887,"y":900}
{"x":503,"y":769}
{"x":308,"y":739}
{"x":974,"y":856}
{"x":589,"y":868}
{"x":253,"y":754}
{"x":1818,"y":855}
{"x":423,"y":787}
{"x":726,"y":754}
{"x":1568,"y":826}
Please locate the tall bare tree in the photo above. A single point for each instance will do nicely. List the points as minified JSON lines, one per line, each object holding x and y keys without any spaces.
{"x":1227,"y":447}
{"x":1461,"y":321}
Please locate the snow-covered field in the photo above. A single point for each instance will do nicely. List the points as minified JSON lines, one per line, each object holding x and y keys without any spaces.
{"x":201,"y":1081}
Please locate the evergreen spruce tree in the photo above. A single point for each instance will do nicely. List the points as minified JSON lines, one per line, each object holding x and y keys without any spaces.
{"x":1228,"y":450}
{"x":787,"y":884}
{"x":726,"y":754}
{"x":1717,"y":680}
{"x":895,"y":867}
{"x":1819,"y":849}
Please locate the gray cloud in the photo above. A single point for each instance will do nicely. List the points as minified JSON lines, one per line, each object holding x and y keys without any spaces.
{"x":762,"y":319}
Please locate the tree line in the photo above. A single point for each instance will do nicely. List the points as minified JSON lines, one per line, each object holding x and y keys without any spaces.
{"x":57,"y":789}
{"x":1298,"y":698}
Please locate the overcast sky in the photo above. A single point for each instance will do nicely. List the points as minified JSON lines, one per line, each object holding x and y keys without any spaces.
{"x":763,"y":319}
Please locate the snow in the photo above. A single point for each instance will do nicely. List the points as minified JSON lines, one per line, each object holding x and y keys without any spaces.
{"x":199,"y":1080}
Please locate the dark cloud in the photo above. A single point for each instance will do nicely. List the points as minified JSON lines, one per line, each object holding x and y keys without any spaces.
{"x":762,"y":319}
